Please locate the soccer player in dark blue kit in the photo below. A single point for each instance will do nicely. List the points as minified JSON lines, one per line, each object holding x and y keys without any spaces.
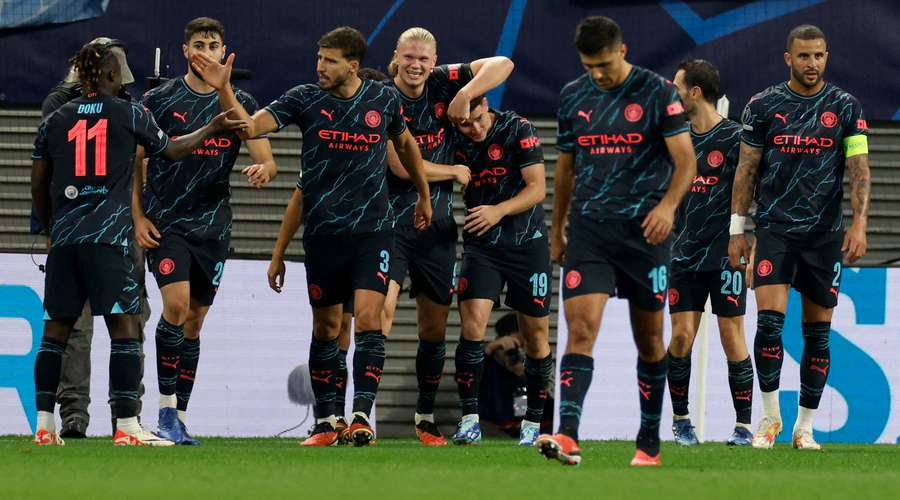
{"x":184,"y":220}
{"x":84,"y":156}
{"x":621,"y":128}
{"x":430,"y":96}
{"x":505,"y":243}
{"x":700,"y":268}
{"x":798,"y":138}
{"x":342,"y":201}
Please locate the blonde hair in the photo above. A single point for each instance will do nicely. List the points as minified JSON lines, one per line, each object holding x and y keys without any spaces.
{"x":416,"y":34}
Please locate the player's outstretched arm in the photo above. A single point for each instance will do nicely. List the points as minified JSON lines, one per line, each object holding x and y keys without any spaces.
{"x":487,"y":74}
{"x":264,"y":168}
{"x":411,"y":158}
{"x":563,"y":184}
{"x":855,"y":243}
{"x":741,"y":198}
{"x":658,"y":223}
{"x":41,"y":172}
{"x":182,"y":146}
{"x":218,"y":76}
{"x":480,"y":219}
{"x":434,"y":172}
{"x":293,"y":215}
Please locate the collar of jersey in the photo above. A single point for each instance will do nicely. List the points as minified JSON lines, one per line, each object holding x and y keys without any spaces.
{"x":715,"y":127}
{"x":798,"y":96}
{"x":621,"y":85}
{"x":192,"y":91}
{"x":408,"y":98}
{"x":356,"y":94}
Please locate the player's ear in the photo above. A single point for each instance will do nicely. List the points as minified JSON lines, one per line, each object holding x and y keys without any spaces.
{"x":787,"y":59}
{"x":224,"y":51}
{"x":354,"y":65}
{"x":184,"y":50}
{"x":624,"y":49}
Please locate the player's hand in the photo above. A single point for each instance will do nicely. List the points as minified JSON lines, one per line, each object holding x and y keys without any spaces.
{"x":146,"y":233}
{"x":503,"y":344}
{"x":738,"y":251}
{"x":214,"y":73}
{"x":257,"y":175}
{"x":657,"y":224}
{"x":422,"y":220}
{"x":463,"y":175}
{"x":221,"y":123}
{"x":481,"y":219}
{"x":855,"y":244}
{"x":276,"y":273}
{"x":458,"y":110}
{"x":558,"y":244}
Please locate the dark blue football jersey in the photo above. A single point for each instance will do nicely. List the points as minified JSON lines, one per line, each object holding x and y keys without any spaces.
{"x":800,"y":177}
{"x":90,"y":143}
{"x":497,"y":163}
{"x":344,"y":155}
{"x":617,"y":137}
{"x":426,"y":117}
{"x":701,"y":222}
{"x":191,"y":196}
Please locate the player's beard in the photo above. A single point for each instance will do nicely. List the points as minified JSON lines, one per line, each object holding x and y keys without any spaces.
{"x":191,"y":67}
{"x":335,"y":82}
{"x":800,"y":77}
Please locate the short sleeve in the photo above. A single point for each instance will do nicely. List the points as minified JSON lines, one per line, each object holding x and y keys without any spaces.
{"x":396,"y":125}
{"x":146,"y":131}
{"x":287,"y":108}
{"x":673,"y":120}
{"x":754,"y":124}
{"x":854,"y":121}
{"x":528,"y":149}
{"x":454,"y":76}
{"x":565,"y":138}
{"x":248,"y":102}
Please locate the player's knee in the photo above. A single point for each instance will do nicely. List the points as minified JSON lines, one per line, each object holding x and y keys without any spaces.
{"x":473,"y":328}
{"x":680,"y":343}
{"x":432,"y":332}
{"x":176,"y":311}
{"x":123,"y":327}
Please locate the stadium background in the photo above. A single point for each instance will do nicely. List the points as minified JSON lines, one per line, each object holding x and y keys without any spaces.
{"x":276,"y":41}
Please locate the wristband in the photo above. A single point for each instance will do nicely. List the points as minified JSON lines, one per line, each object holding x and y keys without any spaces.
{"x":737,"y":224}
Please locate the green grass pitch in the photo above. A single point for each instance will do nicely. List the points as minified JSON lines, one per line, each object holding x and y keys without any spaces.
{"x":399,"y":468}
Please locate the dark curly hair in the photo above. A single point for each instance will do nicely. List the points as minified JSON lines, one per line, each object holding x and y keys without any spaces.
{"x":90,"y":61}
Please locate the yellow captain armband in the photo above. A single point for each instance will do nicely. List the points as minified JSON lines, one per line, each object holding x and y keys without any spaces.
{"x":856,"y":145}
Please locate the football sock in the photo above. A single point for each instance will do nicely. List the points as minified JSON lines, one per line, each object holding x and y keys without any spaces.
{"x":187,"y":371}
{"x":322,"y":368}
{"x":168,"y":348}
{"x":469,"y":368}
{"x":740,"y":381}
{"x":47,"y":368}
{"x":430,"y":358}
{"x":679,"y":383}
{"x":538,"y":374}
{"x":575,"y":374}
{"x":815,"y":363}
{"x":368,"y":366}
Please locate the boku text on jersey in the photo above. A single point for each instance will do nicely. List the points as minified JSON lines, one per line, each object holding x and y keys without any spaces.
{"x":90,"y":143}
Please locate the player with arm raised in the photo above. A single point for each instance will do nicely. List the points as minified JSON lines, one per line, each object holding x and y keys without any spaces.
{"x":430,"y":96}
{"x":342,"y":201}
{"x":184,"y":220}
{"x":81,"y":185}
